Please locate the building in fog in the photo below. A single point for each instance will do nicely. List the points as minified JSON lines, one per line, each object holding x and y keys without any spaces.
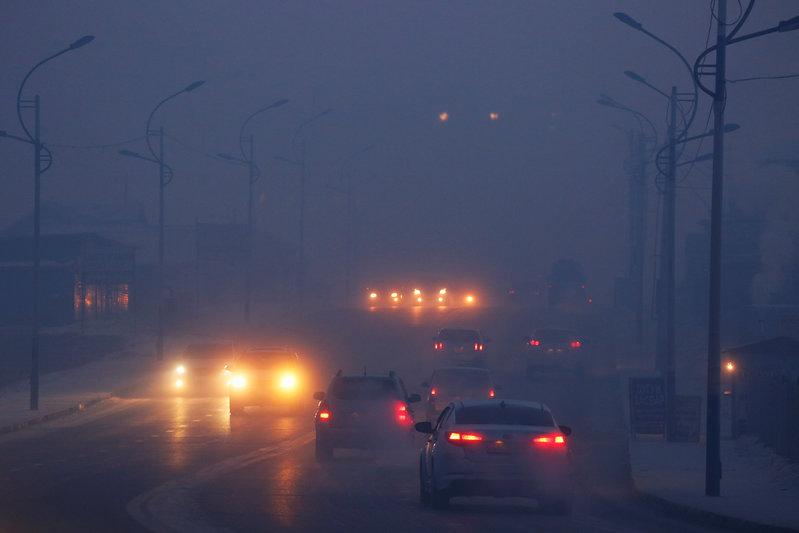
{"x":82,"y":277}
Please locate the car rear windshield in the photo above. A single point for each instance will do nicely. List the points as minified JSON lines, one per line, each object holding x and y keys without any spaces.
{"x":453,"y":381}
{"x":511,"y":415}
{"x":554,"y":335}
{"x":363,"y":388}
{"x":459,"y":335}
{"x":198,"y":351}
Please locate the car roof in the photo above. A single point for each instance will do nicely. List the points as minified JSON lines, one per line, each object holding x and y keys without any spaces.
{"x":493,"y":403}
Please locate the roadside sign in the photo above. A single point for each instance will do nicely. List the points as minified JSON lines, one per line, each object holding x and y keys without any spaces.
{"x":647,"y":406}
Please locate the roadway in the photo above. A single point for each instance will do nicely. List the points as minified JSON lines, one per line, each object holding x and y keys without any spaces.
{"x":153,"y":461}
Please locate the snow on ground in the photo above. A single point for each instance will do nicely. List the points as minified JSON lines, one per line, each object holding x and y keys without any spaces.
{"x":757,"y":485}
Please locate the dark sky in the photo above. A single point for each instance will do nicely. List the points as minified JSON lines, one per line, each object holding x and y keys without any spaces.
{"x":468,"y":196}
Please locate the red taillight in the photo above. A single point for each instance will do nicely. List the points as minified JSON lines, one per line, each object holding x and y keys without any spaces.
{"x":433,"y":392}
{"x":438,"y":345}
{"x":403,"y":416}
{"x":575,"y":344}
{"x":459,"y":438}
{"x":324,"y":415}
{"x":535,"y":342}
{"x":478,"y":347}
{"x":554,"y":440}
{"x":491,"y":393}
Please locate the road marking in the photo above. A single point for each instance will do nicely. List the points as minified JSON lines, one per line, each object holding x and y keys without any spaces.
{"x":170,"y":507}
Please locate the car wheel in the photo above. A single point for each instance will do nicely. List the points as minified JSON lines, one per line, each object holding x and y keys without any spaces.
{"x":235,"y":408}
{"x":424,"y":492}
{"x":323,"y":452}
{"x":439,"y":499}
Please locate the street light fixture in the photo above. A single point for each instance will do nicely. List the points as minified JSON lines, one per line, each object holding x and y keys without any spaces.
{"x":41,"y":156}
{"x":248,"y":159}
{"x":164,"y":178}
{"x":299,"y":160}
{"x":719,"y":94}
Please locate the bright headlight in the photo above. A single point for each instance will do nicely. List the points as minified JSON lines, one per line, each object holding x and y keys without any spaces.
{"x":180,"y":369}
{"x":178,"y":383}
{"x":238,"y":382}
{"x":288,"y":381}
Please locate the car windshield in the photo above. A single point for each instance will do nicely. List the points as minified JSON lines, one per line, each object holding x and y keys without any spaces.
{"x":459,"y":335}
{"x":554,"y":335}
{"x":459,"y":381}
{"x":363,"y":388}
{"x":510,"y":415}
{"x":199,"y":351}
{"x":266,"y":358}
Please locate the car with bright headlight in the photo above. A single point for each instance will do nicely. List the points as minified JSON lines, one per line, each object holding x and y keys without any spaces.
{"x":265,"y":377}
{"x":362,"y":412}
{"x":499,"y":448}
{"x":198,"y":369}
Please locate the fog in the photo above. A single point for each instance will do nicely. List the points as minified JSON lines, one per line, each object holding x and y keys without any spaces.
{"x":503,"y":198}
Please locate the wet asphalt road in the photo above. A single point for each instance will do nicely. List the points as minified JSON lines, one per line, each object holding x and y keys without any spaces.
{"x":153,"y":461}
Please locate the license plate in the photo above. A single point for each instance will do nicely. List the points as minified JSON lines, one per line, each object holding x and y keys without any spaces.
{"x":499,"y":447}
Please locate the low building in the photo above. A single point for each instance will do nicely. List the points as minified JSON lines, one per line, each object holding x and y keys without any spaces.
{"x":82,"y":276}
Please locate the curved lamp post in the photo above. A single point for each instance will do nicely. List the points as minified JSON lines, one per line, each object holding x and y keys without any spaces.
{"x":248,"y":159}
{"x":42,"y":159}
{"x":719,"y":94}
{"x":164,"y":178}
{"x":299,"y":160}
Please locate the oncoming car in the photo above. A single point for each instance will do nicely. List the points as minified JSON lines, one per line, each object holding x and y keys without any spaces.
{"x":452,"y":384}
{"x":497,"y":448}
{"x":265,"y":377}
{"x":198,"y":369}
{"x":363,"y":412}
{"x":552,"y":347}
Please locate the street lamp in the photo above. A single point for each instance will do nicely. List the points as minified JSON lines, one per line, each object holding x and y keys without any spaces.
{"x":248,"y":159}
{"x":719,"y":94}
{"x":299,"y":160}
{"x":349,"y":187}
{"x":164,"y":178}
{"x":640,"y":155}
{"x":42,"y":160}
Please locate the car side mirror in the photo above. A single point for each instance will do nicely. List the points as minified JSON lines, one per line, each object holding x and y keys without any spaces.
{"x":566,"y":430}
{"x":319,"y":396}
{"x":425,"y":384}
{"x":423,"y":427}
{"x":413,"y":398}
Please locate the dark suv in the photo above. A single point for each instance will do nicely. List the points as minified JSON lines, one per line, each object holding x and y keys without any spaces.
{"x":363,"y":412}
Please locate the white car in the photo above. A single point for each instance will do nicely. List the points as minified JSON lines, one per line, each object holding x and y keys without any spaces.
{"x":496,"y":448}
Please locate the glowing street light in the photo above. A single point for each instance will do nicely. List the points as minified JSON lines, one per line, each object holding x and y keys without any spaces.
{"x":493,"y":116}
{"x":443,"y":116}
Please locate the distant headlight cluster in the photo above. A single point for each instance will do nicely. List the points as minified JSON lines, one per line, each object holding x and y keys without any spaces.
{"x":392,"y":297}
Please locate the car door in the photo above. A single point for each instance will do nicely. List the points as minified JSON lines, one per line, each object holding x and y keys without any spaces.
{"x":432,"y":439}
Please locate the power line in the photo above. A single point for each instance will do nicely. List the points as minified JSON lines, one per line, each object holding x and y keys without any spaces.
{"x":780,"y":77}
{"x":95,"y":146}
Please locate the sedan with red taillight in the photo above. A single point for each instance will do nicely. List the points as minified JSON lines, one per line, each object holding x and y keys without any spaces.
{"x":452,"y":384}
{"x":552,"y":348}
{"x":498,"y":448}
{"x":363,"y":412}
{"x":460,"y":344}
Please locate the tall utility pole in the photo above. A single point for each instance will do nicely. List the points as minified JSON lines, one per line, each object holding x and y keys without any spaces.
{"x":164,"y":178}
{"x":638,"y":210}
{"x":247,"y":148}
{"x":251,"y":178}
{"x":668,"y":256}
{"x":40,"y":155}
{"x":713,"y":449}
{"x":301,"y":244}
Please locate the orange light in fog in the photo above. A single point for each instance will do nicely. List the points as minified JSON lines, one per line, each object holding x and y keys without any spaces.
{"x":469,"y":299}
{"x":729,"y":366}
{"x":443,"y":116}
{"x":493,"y":116}
{"x":373,"y":296}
